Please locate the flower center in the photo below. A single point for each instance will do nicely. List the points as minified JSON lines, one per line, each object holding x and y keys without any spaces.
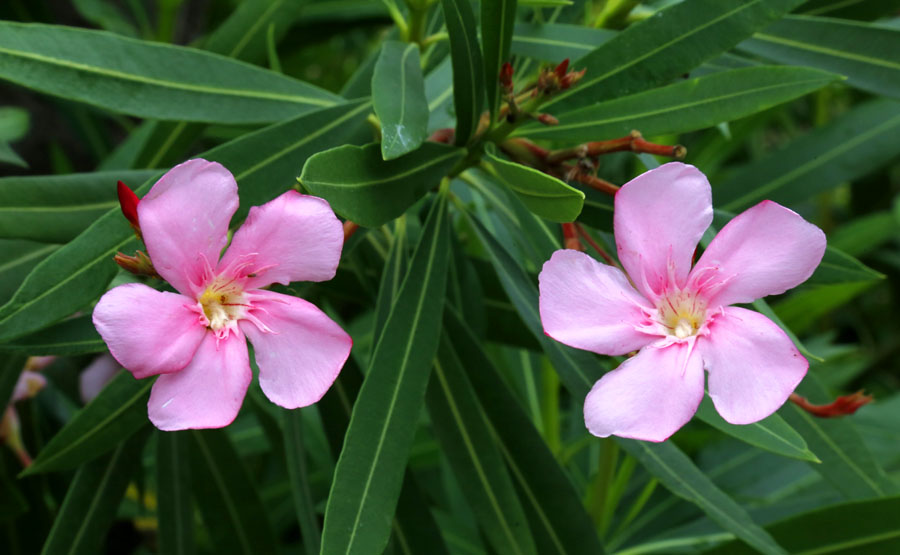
{"x":682,"y":314}
{"x":223,"y":302}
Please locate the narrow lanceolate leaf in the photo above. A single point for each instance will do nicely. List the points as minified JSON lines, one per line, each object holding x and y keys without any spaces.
{"x":114,"y":415}
{"x":497,"y":20}
{"x":847,"y":464}
{"x":460,"y":427}
{"x":92,"y":499}
{"x":559,"y":522}
{"x":544,"y":195}
{"x":233,"y":513}
{"x":17,"y":258}
{"x":56,"y":208}
{"x":554,"y":42}
{"x":75,"y":336}
{"x":772,"y":433}
{"x":264,"y":164}
{"x":370,"y":191}
{"x":857,"y":527}
{"x":868,"y":55}
{"x":398,"y":95}
{"x":851,"y":146}
{"x":174,"y":513}
{"x":578,"y":370}
{"x":666,"y":46}
{"x":687,"y":106}
{"x":675,"y":470}
{"x":839,"y":267}
{"x":304,"y":504}
{"x":369,"y":472}
{"x":468,"y":69}
{"x":149,"y":79}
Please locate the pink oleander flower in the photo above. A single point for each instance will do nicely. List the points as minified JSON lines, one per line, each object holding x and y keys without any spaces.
{"x":196,"y":338}
{"x":680,"y":319}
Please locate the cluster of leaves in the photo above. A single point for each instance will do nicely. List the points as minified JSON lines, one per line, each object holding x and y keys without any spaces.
{"x":456,"y":425}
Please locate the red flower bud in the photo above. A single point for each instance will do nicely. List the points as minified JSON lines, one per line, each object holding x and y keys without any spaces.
{"x":129,"y":203}
{"x":506,"y":74}
{"x":562,"y":68}
{"x":842,"y":406}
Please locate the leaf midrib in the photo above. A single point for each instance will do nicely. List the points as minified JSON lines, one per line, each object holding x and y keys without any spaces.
{"x":394,"y":177}
{"x":225,"y":491}
{"x":107,"y":473}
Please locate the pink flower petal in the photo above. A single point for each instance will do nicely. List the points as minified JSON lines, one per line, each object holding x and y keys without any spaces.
{"x":658,"y":220}
{"x":765,"y":250}
{"x":291,"y":238}
{"x":589,"y":305}
{"x":753,"y":365}
{"x":302,"y":355}
{"x":209,"y":391}
{"x":94,"y":378}
{"x":649,"y":397}
{"x":28,"y":385}
{"x":184,"y":220}
{"x":148,"y":331}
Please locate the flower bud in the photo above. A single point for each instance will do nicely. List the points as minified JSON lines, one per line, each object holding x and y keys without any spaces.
{"x":128,"y":201}
{"x":139,"y":265}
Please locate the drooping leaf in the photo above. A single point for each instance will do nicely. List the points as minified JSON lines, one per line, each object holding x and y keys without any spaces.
{"x":868,"y":55}
{"x":543,"y":194}
{"x":468,"y":69}
{"x":398,"y":95}
{"x":264,"y":164}
{"x":497,"y":20}
{"x":148,"y":79}
{"x":851,"y":146}
{"x":839,"y":267}
{"x":369,"y":472}
{"x":109,"y":419}
{"x":554,"y":42}
{"x":558,"y":519}
{"x":370,"y":191}
{"x":56,"y":208}
{"x":859,"y":527}
{"x":173,"y":482}
{"x":92,"y":499}
{"x":771,"y":433}
{"x":466,"y":441}
{"x":667,"y":45}
{"x":686,"y":106}
{"x":228,"y":500}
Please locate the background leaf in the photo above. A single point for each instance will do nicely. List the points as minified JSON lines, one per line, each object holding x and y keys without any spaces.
{"x":398,"y":95}
{"x":468,"y":69}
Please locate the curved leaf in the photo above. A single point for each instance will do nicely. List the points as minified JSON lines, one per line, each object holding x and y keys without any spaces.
{"x":148,"y":79}
{"x":398,"y":95}
{"x":543,"y":194}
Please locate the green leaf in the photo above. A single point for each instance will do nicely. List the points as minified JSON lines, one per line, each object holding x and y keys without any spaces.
{"x":264,"y":163}
{"x":9,"y":156}
{"x":243,"y":34}
{"x":686,"y":106}
{"x":398,"y":94}
{"x":558,"y":519}
{"x":772,"y":433}
{"x":174,"y":512}
{"x":804,"y":309}
{"x":852,"y":9}
{"x":554,"y":42}
{"x":667,"y":45}
{"x":839,"y":267}
{"x":304,"y":504}
{"x":395,"y":267}
{"x":369,"y":472}
{"x":497,"y":20}
{"x":148,"y":79}
{"x":461,"y":429}
{"x":17,"y":258}
{"x":75,"y":336}
{"x":868,"y":55}
{"x":852,"y":146}
{"x":676,"y":471}
{"x":847,"y":463}
{"x":370,"y":191}
{"x":92,"y":499}
{"x":543,"y":194}
{"x":56,"y":208}
{"x":468,"y":70}
{"x":229,"y":501}
{"x":106,"y":15}
{"x":14,"y":123}
{"x":114,"y":415}
{"x":859,"y":527}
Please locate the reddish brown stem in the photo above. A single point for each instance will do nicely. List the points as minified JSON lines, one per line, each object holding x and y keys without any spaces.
{"x":632,"y":142}
{"x":570,"y":237}
{"x":842,"y":406}
{"x":590,"y":241}
{"x":349,"y":229}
